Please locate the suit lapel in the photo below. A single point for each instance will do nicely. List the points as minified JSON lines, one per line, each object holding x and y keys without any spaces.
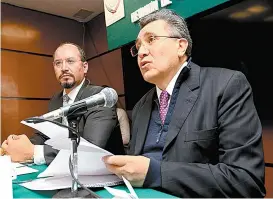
{"x":79,"y":95}
{"x":188,"y":94}
{"x":58,"y":103}
{"x":143,"y":122}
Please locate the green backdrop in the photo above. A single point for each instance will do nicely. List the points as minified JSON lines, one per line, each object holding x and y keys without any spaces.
{"x":124,"y":31}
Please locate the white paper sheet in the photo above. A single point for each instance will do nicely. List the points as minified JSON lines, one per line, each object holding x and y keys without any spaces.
{"x":5,"y":177}
{"x":117,"y":193}
{"x":49,"y":129}
{"x":21,"y":169}
{"x":60,"y":142}
{"x":53,"y":183}
{"x":88,"y":164}
{"x":16,"y":164}
{"x":129,"y":186}
{"x":121,"y":193}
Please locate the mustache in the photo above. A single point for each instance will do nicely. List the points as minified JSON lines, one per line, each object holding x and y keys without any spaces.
{"x":66,"y":74}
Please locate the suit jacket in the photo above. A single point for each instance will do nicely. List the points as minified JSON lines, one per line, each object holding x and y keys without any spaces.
{"x":99,"y":125}
{"x":214,"y":142}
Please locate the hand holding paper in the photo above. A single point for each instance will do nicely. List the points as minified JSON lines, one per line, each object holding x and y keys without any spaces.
{"x":133,"y":168}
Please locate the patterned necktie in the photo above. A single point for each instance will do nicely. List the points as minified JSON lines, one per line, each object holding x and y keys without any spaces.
{"x":163,"y":101}
{"x":66,"y":99}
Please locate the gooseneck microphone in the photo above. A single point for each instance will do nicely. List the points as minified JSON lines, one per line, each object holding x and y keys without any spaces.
{"x":107,"y":97}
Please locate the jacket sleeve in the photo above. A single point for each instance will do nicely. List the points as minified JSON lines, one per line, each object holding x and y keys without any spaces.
{"x":240,"y":169}
{"x":39,"y":139}
{"x":99,"y":124}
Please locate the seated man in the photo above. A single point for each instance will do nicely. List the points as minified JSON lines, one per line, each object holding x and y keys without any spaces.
{"x":197,"y":133}
{"x":96,"y":126}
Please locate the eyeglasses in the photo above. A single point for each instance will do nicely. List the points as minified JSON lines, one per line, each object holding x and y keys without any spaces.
{"x":148,"y":41}
{"x":69,"y":61}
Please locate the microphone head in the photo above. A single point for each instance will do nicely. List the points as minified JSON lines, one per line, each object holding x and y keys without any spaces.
{"x":110,"y":97}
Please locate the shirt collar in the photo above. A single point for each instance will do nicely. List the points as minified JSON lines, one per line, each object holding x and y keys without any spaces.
{"x":73,"y":94}
{"x":171,"y":85}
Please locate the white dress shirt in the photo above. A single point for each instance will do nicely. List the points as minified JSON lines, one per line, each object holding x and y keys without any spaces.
{"x":38,"y":156}
{"x":171,"y":85}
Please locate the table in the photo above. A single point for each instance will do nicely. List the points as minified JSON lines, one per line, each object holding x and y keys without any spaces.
{"x":22,"y":192}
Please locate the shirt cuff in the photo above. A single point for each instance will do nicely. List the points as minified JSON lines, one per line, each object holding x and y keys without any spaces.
{"x":39,"y":157}
{"x":153,"y":177}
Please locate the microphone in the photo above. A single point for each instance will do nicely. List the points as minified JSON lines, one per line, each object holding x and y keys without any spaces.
{"x":107,"y":97}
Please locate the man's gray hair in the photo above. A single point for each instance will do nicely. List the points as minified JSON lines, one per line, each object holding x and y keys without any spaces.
{"x":177,"y":24}
{"x":81,"y":51}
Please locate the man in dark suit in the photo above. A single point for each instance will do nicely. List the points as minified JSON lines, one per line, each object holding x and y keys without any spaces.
{"x":197,"y":133}
{"x":99,"y":125}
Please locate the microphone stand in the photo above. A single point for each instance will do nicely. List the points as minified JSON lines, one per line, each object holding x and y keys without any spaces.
{"x":73,"y":122}
{"x":73,"y":117}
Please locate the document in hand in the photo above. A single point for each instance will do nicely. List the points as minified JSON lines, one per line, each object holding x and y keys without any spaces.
{"x":91,"y":169}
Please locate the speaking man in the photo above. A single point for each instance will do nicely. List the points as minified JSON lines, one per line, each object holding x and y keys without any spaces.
{"x":197,"y":132}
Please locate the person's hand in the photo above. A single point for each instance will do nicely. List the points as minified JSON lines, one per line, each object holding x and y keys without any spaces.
{"x":18,"y":147}
{"x":2,"y":152}
{"x":133,"y":168}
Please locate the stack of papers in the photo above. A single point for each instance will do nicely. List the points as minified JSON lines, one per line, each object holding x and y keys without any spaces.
{"x":91,"y":169}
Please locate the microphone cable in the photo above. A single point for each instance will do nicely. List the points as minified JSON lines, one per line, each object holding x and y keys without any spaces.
{"x":93,"y":194}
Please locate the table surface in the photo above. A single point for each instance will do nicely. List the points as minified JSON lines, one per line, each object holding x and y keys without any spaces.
{"x":22,"y":192}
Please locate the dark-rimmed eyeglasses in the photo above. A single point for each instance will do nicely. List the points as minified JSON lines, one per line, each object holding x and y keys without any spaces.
{"x":148,"y":41}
